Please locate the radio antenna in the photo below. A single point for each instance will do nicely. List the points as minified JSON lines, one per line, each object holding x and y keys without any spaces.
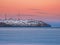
{"x":5,"y":17}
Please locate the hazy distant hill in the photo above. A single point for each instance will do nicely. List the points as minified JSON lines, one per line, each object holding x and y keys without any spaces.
{"x":24,"y":23}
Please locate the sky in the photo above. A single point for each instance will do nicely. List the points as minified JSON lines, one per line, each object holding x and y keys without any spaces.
{"x":45,"y":10}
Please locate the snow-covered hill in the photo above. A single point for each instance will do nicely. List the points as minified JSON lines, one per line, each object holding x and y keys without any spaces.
{"x":25,"y":23}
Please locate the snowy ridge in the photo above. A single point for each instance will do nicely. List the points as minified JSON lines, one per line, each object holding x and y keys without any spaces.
{"x":25,"y":23}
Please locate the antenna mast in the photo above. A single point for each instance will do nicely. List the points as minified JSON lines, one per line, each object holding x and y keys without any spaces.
{"x":5,"y":17}
{"x":18,"y":15}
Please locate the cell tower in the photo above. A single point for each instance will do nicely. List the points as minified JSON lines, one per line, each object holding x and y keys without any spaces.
{"x":5,"y":16}
{"x":18,"y":15}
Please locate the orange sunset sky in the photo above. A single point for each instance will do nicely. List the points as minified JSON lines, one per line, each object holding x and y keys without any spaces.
{"x":46,"y":10}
